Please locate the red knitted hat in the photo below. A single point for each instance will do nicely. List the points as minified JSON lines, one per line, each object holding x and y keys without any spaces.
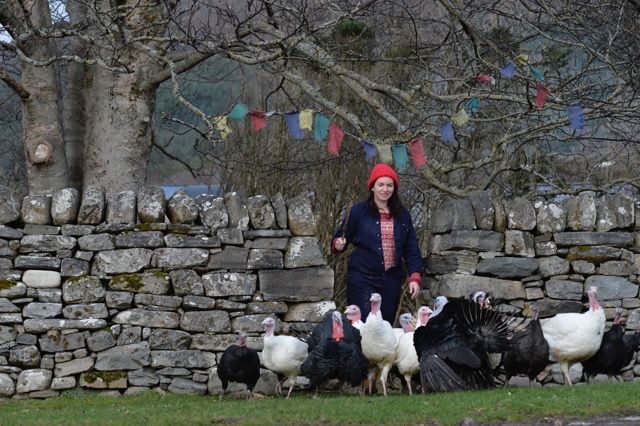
{"x":381,"y":170}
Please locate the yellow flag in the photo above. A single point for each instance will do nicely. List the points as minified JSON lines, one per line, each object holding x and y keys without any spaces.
{"x":221,"y":124}
{"x":522,"y":59}
{"x":384,"y":153}
{"x":460,"y":118}
{"x":306,"y":119}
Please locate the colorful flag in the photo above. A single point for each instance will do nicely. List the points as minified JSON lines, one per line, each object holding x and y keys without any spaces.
{"x":417,"y":152}
{"x":508,"y":70}
{"x":486,"y":79}
{"x":522,"y":59}
{"x":576,"y":116}
{"x":369,"y":149}
{"x":306,"y":119}
{"x":258,"y":119}
{"x":473,"y":104}
{"x":446,"y":132}
{"x":238,"y":112}
{"x":460,"y":118}
{"x":536,"y":73}
{"x":221,"y":125}
{"x":321,"y":127}
{"x":293,"y":121}
{"x":335,"y":139}
{"x":400,"y":155}
{"x":384,"y":153}
{"x":541,"y":95}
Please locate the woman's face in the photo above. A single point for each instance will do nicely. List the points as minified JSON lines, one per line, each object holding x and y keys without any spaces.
{"x":382,"y":189}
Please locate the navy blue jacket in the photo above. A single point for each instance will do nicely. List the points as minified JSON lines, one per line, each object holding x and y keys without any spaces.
{"x":363,"y":231}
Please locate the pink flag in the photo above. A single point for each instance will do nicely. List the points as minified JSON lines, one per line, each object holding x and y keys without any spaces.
{"x":417,"y":152}
{"x":485,"y":78}
{"x":258,"y":118}
{"x":541,"y":95}
{"x":335,"y":139}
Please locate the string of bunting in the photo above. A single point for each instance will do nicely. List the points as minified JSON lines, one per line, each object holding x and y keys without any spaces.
{"x":313,"y":121}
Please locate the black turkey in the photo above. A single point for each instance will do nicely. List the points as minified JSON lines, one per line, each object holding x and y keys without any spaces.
{"x":529,"y":351}
{"x":611,"y":356}
{"x":239,"y":364}
{"x":631,"y":344}
{"x":335,"y":353}
{"x":454,"y":346}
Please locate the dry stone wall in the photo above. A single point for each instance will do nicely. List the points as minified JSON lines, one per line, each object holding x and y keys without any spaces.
{"x":135,"y":292}
{"x":548,"y":251}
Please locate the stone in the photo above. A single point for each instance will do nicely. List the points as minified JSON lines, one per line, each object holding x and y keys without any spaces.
{"x":230,"y":236}
{"x":196,"y":241}
{"x":187,"y":387}
{"x":280,"y":210}
{"x":121,"y":207}
{"x":25,"y":356}
{"x":553,"y":265}
{"x":74,"y":268}
{"x":104,"y":380}
{"x":65,"y":204}
{"x":170,"y":259}
{"x":10,"y":206}
{"x":237,"y":211}
{"x":270,"y":243}
{"x":48,"y":324}
{"x":100,"y":340}
{"x":519,"y":243}
{"x":611,"y":287}
{"x":183,"y":358}
{"x":151,"y":204}
{"x":7,"y":231}
{"x":169,"y":339}
{"x":12,"y":289}
{"x":92,"y":207}
{"x":301,"y":220}
{"x":156,"y":302}
{"x":144,"y":318}
{"x":581,"y":213}
{"x":198,"y":302}
{"x":508,"y":267}
{"x":36,"y":209}
{"x":261,"y":213}
{"x":7,"y":307}
{"x":564,"y":289}
{"x":297,"y":285}
{"x":118,"y":299}
{"x":583,"y":267}
{"x":46,"y":243}
{"x":453,"y":215}
{"x":76,"y":230}
{"x":483,"y":209}
{"x":594,"y":254}
{"x":42,"y":310}
{"x":616,"y":267}
{"x":92,"y":310}
{"x":37,"y":262}
{"x":127,"y":357}
{"x":146,"y":282}
{"x":304,"y":252}
{"x":140,"y":239}
{"x":83,"y":289}
{"x":62,"y":383}
{"x":521,"y":214}
{"x":73,"y":367}
{"x":36,"y":379}
{"x":223,"y":284}
{"x":309,"y":312}
{"x":35,"y":229}
{"x":551,"y":217}
{"x":181,"y":208}
{"x":7,"y":385}
{"x":265,"y":259}
{"x":122,"y":261}
{"x":209,"y":321}
{"x":212,"y":212}
{"x":230,"y":258}
{"x":186,"y":282}
{"x":472,"y":240}
{"x":144,"y":376}
{"x":459,"y":285}
{"x":41,"y":279}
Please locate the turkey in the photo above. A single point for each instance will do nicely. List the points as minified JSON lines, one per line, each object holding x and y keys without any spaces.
{"x":354,"y":315}
{"x":378,"y":344}
{"x":611,"y":356}
{"x":406,"y":357}
{"x":335,"y":353}
{"x":453,"y":348}
{"x":424,"y":312}
{"x":529,"y":351}
{"x":575,"y":337}
{"x":239,"y":364}
{"x":631,"y":345}
{"x":283,"y":355}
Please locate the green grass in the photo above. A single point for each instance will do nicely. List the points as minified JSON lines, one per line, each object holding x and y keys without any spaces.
{"x":495,"y":406}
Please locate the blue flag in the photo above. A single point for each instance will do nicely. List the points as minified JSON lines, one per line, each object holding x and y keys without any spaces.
{"x":321,"y":127}
{"x":446,"y":132}
{"x":576,"y":116}
{"x":508,"y":70}
{"x":400,"y":155}
{"x":293,"y":121}
{"x":369,"y":149}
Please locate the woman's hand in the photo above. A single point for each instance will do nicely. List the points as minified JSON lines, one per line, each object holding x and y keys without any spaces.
{"x":340,"y":243}
{"x":414,"y":289}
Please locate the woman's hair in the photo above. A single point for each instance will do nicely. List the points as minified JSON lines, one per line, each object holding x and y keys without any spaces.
{"x":395,"y":204}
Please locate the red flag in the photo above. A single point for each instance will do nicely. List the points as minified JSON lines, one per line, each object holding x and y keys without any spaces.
{"x":335,"y":139}
{"x":541,"y":95}
{"x":258,"y":118}
{"x":417,"y":152}
{"x":485,"y":78}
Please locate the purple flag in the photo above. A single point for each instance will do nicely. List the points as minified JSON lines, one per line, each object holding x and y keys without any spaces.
{"x":446,"y":132}
{"x":369,"y":149}
{"x":508,"y":70}
{"x":293,"y":121}
{"x":576,"y":116}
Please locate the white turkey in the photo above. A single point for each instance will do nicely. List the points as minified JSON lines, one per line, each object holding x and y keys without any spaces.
{"x":239,"y":364}
{"x":424,"y":312}
{"x":283,"y":355}
{"x":406,"y":357}
{"x":335,"y":353}
{"x":453,"y":348}
{"x":354,"y":315}
{"x":575,"y":337}
{"x":378,"y":344}
{"x":611,"y":356}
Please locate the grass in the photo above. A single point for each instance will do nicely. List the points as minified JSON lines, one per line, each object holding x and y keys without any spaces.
{"x":494,"y":406}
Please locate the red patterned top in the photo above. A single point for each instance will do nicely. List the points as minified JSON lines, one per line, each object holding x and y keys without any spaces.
{"x":388,"y":242}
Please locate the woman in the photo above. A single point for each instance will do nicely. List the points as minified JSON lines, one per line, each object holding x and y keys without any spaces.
{"x":381,"y":230}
